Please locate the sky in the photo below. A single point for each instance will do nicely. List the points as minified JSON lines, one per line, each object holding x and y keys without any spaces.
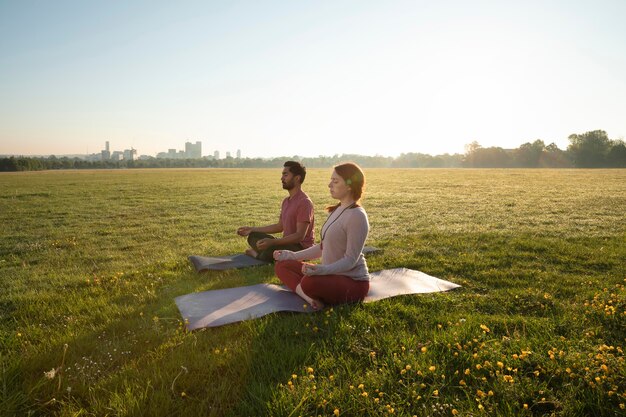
{"x":308,"y":78}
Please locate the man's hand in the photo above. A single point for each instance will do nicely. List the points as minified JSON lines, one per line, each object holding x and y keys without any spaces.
{"x":263,"y":244}
{"x":244,"y":231}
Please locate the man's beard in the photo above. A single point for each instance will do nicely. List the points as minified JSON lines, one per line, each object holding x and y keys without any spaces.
{"x":287,"y":185}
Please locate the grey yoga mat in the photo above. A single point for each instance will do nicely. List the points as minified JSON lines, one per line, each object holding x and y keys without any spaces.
{"x":230,"y":305}
{"x":221,"y":263}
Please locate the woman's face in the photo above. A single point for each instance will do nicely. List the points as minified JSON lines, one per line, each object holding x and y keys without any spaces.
{"x":338,"y":187}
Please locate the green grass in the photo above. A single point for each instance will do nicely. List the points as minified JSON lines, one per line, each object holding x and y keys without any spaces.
{"x":91,"y":261}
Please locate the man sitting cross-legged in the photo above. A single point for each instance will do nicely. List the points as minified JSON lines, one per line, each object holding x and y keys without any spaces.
{"x":296,"y":220}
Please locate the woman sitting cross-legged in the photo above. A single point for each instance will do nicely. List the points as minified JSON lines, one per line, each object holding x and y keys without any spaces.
{"x":342,"y":275}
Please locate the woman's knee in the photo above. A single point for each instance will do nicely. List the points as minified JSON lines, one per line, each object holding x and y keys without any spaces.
{"x":308,"y":285}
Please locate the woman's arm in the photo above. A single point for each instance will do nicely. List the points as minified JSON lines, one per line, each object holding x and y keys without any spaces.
{"x":313,"y":252}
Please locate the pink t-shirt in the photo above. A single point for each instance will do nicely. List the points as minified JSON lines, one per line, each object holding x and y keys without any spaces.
{"x":298,"y":209}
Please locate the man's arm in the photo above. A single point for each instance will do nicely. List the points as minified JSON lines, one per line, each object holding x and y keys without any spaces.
{"x":271,"y":228}
{"x":293,"y":238}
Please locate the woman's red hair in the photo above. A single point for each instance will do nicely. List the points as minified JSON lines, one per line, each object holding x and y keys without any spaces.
{"x":354,"y":177}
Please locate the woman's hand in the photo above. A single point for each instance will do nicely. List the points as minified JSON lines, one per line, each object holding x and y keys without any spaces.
{"x":282,"y":255}
{"x":309,"y":269}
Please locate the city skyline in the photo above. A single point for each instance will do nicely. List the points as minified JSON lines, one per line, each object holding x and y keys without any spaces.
{"x":293,"y":78}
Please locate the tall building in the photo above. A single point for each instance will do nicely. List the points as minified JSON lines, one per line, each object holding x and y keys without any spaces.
{"x":238,"y":153}
{"x":130,"y":154}
{"x":106,"y":153}
{"x":193,"y":151}
{"x":216,"y":154}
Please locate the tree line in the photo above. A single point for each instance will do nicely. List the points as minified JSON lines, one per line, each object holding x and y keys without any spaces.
{"x":592,"y":149}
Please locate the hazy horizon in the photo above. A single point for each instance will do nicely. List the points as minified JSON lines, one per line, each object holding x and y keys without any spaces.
{"x":278,"y":78}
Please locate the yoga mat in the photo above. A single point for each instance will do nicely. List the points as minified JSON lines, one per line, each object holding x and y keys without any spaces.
{"x":205,"y":263}
{"x":230,"y":305}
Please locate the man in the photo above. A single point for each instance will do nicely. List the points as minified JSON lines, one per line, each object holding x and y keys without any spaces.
{"x":296,"y":220}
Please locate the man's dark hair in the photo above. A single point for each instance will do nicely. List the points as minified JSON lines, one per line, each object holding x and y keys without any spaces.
{"x":296,"y":168}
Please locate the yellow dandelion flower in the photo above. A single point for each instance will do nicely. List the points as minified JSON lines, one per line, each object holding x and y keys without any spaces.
{"x":500,"y":365}
{"x":183,"y":394}
{"x":294,"y":376}
{"x":485,"y":328}
{"x":455,"y":412}
{"x":309,"y":370}
{"x":361,"y":386}
{"x":467,"y":371}
{"x":408,"y":367}
{"x":525,"y":406}
{"x":336,"y":412}
{"x":424,"y":349}
{"x":436,"y":392}
{"x":364,"y":394}
{"x":462,"y":383}
{"x":432,"y":368}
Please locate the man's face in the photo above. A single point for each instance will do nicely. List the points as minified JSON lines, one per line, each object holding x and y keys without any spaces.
{"x":288,"y":179}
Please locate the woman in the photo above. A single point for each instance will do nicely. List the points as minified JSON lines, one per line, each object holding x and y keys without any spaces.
{"x":342,"y":276}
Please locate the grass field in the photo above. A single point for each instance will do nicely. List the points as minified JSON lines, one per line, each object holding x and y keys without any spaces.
{"x":91,"y":261}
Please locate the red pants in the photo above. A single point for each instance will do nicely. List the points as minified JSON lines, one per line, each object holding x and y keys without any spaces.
{"x":330,"y":289}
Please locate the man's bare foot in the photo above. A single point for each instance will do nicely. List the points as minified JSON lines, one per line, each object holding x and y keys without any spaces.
{"x":251,"y":252}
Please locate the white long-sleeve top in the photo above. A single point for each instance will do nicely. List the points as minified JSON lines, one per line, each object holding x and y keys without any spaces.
{"x":341,"y":249}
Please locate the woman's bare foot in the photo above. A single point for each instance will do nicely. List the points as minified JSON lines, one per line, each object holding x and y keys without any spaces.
{"x":315,"y":304}
{"x":251,"y":252}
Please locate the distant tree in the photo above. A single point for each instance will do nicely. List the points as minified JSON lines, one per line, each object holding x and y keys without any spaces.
{"x":470,"y":152}
{"x":590,"y":149}
{"x":616,"y":158}
{"x":529,"y":154}
{"x":493,"y":157}
{"x":553,"y":157}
